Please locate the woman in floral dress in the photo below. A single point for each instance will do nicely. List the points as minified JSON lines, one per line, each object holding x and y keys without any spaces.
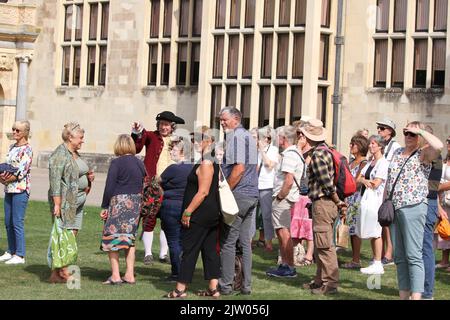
{"x":359,"y":146}
{"x":121,"y":208}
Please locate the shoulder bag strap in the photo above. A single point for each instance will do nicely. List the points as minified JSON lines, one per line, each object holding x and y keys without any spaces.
{"x":304,"y":167}
{"x":399,"y":174}
{"x":391,"y":143}
{"x":262,"y":162}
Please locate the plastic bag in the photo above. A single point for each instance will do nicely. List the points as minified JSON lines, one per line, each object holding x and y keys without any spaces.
{"x":368,"y":226}
{"x":62,"y":250}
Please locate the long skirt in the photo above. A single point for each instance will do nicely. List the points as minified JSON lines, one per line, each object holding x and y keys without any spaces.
{"x":120,"y":229}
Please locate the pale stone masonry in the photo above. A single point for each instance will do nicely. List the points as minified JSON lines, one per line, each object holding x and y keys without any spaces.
{"x":37,"y":28}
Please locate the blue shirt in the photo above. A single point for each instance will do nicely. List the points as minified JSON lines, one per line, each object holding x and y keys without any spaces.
{"x":241,"y":149}
{"x":174,"y":180}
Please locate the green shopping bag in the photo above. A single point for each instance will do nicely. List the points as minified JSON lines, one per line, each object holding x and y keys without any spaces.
{"x":62,"y":249}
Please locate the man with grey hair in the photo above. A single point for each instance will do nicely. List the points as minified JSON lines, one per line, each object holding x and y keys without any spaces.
{"x":285,"y":194}
{"x":239,"y":167}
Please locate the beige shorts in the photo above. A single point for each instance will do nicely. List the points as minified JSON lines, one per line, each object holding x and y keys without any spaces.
{"x":281,"y":214}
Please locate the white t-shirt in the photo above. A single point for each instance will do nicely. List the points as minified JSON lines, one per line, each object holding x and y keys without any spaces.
{"x":380,"y":171}
{"x":291,"y":162}
{"x":391,"y":146}
{"x":266,"y":176}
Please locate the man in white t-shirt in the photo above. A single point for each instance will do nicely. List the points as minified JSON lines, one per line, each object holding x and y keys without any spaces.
{"x":286,"y":193}
{"x":386,"y":129}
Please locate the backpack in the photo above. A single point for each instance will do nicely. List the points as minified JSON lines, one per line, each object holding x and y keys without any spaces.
{"x":303,"y":185}
{"x":343,"y":179}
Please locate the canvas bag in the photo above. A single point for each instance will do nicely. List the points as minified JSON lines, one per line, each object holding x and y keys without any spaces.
{"x":228,"y":204}
{"x":386,"y":211}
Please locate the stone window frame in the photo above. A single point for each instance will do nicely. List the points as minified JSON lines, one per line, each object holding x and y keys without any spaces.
{"x":82,"y":44}
{"x":175,"y":42}
{"x":410,"y":36}
{"x":257,"y":81}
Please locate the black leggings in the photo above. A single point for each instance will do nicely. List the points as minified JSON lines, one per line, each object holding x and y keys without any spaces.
{"x":193,"y":240}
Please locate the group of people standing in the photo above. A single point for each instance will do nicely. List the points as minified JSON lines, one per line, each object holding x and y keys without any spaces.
{"x":410,"y":177}
{"x":285,"y":179}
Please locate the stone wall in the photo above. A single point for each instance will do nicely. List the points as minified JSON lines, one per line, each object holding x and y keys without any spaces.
{"x":105,"y":111}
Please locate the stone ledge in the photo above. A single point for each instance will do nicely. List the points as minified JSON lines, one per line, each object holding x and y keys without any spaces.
{"x":385,"y":90}
{"x":100,"y":162}
{"x":82,"y":92}
{"x":148,"y":89}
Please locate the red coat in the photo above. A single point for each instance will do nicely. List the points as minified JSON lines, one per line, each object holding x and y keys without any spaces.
{"x":154,"y":144}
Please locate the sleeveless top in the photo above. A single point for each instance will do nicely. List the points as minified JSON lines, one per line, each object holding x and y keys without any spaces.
{"x":208,"y":213}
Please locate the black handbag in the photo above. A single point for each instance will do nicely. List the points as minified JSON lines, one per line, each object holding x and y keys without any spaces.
{"x":386,"y":211}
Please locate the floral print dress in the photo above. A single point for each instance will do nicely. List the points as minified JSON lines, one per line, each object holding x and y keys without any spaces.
{"x":122,"y":223}
{"x":354,"y":202}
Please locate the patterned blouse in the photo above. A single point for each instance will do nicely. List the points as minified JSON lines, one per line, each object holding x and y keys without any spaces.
{"x":412,"y":186}
{"x":63,"y":174}
{"x":21,"y":158}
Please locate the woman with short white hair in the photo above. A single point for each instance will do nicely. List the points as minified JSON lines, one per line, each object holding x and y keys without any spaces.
{"x":17,"y":192}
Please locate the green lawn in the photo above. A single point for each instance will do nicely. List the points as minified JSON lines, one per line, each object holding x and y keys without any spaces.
{"x":30,"y":281}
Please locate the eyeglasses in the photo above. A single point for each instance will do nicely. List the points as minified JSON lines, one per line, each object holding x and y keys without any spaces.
{"x":381,"y":128}
{"x":410,"y":134}
{"x":16,"y":130}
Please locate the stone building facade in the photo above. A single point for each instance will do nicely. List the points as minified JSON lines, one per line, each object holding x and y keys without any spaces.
{"x":108,"y":63}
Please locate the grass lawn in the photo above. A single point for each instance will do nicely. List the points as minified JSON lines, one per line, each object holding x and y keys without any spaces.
{"x":30,"y":280}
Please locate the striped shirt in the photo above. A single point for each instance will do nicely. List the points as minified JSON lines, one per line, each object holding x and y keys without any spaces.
{"x":321,"y":174}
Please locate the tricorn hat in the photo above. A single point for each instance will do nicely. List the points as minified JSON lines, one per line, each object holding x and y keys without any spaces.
{"x":169,"y":116}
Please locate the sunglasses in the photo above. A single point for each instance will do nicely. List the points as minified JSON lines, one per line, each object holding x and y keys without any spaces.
{"x":381,"y":128}
{"x":16,"y":130}
{"x":410,"y":134}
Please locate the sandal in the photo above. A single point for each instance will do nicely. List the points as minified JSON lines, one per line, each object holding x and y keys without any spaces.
{"x":351,"y":265}
{"x":442,"y":265}
{"x":111,"y":282}
{"x":305,"y":262}
{"x":213,"y":293}
{"x":176,"y":294}
{"x":128,"y":282}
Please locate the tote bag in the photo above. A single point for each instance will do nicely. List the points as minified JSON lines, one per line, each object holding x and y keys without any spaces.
{"x":228,"y":204}
{"x":62,"y":249}
{"x":368,"y":226}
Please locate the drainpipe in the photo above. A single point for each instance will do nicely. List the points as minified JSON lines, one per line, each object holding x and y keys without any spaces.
{"x":336,"y":98}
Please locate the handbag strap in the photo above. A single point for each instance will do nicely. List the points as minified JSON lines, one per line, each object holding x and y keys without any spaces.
{"x":262,"y":162}
{"x":399,"y":174}
{"x":304,"y":168}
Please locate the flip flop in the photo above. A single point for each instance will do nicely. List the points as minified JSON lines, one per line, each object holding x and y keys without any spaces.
{"x":113,"y":283}
{"x":128,"y":282}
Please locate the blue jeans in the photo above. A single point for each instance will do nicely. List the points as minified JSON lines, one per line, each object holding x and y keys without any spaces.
{"x":428,"y":250}
{"x":171,"y":212}
{"x":15,"y":208}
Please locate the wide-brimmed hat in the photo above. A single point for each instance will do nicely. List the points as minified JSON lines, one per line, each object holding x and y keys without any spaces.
{"x":314,"y":130}
{"x":388,"y":123}
{"x":169,"y":116}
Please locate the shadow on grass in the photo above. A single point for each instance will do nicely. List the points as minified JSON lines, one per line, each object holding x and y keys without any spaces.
{"x":42,"y":271}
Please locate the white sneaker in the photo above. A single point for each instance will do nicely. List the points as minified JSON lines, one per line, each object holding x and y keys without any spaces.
{"x":375,"y":268}
{"x":5,"y":257}
{"x":16,"y":260}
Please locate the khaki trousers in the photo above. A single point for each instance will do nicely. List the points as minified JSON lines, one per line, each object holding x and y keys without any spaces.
{"x":324,"y":214}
